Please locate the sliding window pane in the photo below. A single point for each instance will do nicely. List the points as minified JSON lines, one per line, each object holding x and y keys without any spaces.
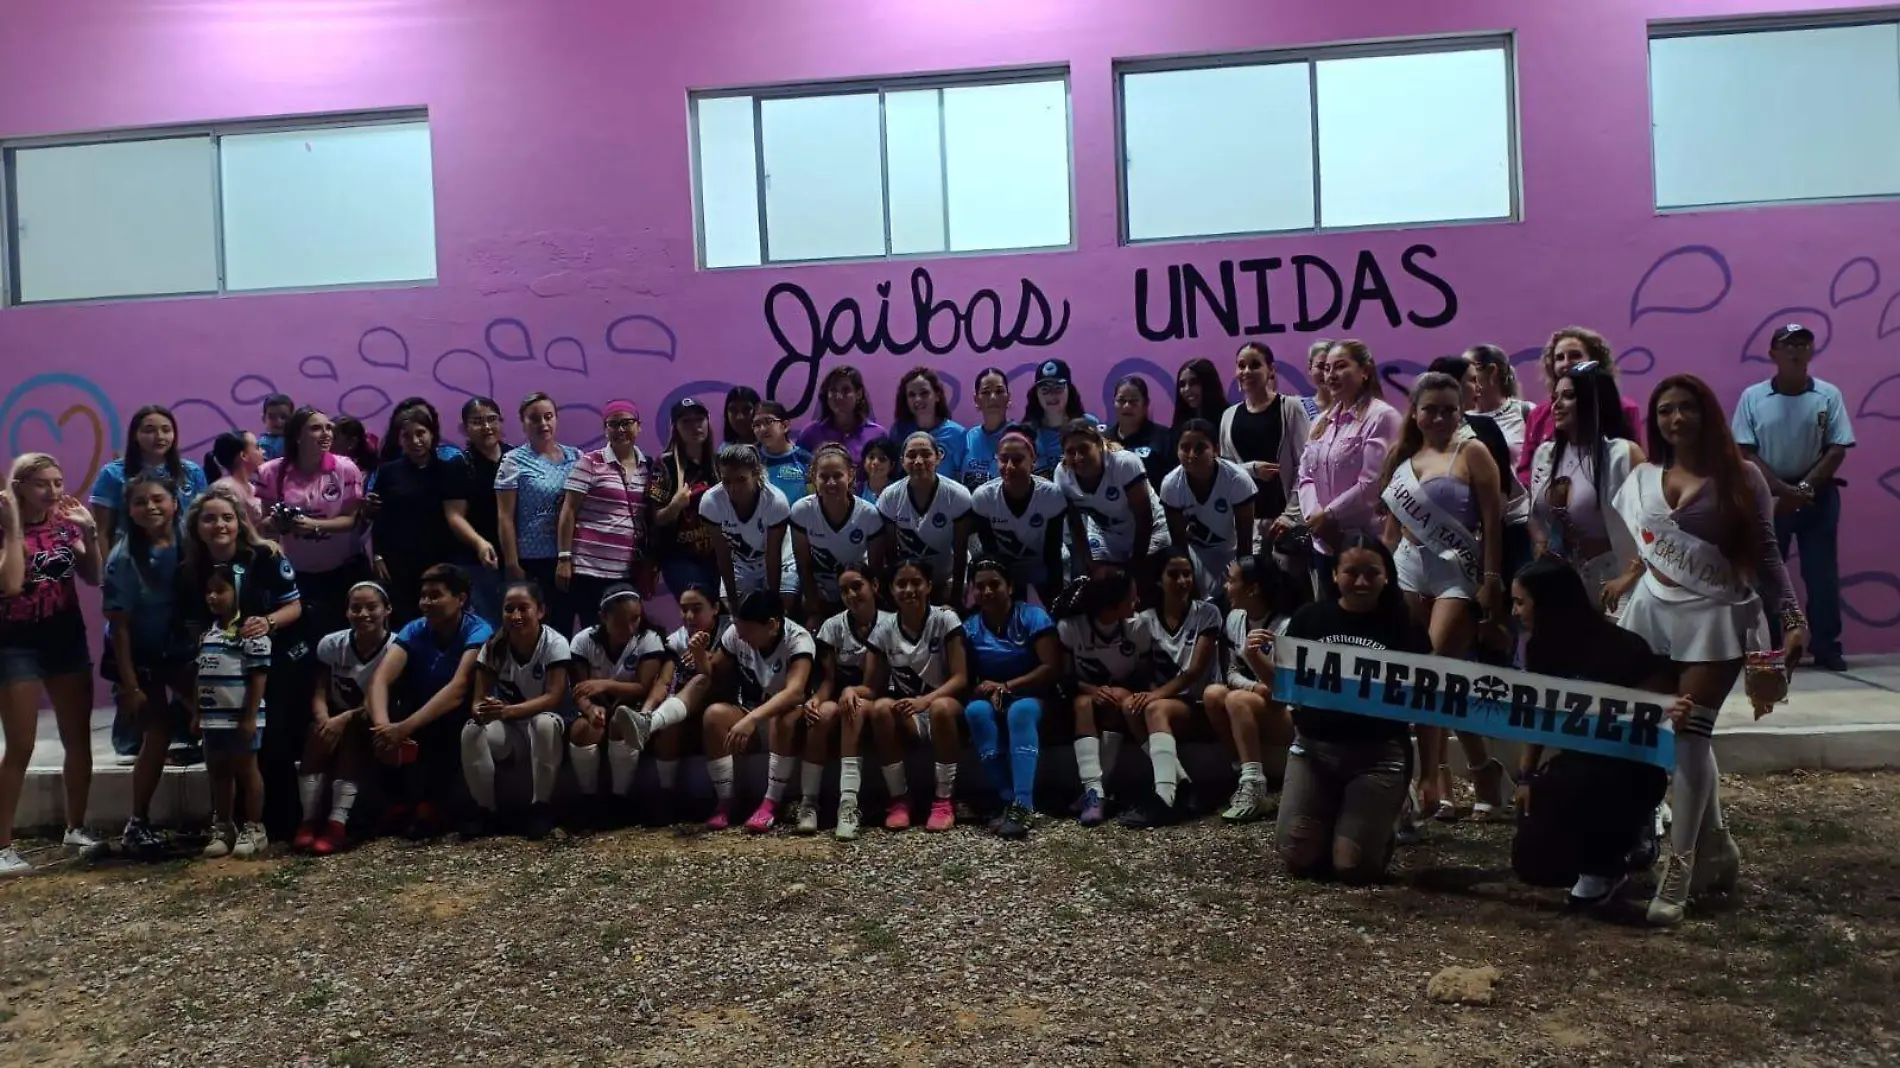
{"x":824,"y":185}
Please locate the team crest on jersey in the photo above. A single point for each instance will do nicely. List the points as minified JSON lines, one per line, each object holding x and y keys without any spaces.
{"x":939,"y":519}
{"x":857,"y":537}
{"x":1143,"y":451}
{"x":540,"y":670}
{"x":1221,"y":505}
{"x":347,"y":691}
{"x":1035,"y":520}
{"x":1112,"y":493}
{"x":1128,"y":647}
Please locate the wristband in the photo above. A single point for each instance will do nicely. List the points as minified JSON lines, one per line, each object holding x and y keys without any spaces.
{"x":566,"y":554}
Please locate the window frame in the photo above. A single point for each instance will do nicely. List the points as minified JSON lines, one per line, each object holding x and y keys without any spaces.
{"x":1727,"y":26}
{"x":216,"y":132}
{"x":881,"y":86}
{"x":1312,"y":56}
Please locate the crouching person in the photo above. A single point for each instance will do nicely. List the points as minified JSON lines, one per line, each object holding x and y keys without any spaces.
{"x":772,"y":657}
{"x":522,"y":675}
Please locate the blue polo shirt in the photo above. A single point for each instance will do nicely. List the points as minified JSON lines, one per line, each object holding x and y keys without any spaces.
{"x":1011,"y":654}
{"x":432,"y":665}
{"x":1790,"y":431}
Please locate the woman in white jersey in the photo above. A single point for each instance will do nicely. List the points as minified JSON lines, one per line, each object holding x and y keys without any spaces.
{"x":1019,"y":518}
{"x":1184,"y":642}
{"x":1575,"y":476}
{"x":1115,"y":517}
{"x":927,"y":518}
{"x":521,"y":674}
{"x":770,"y":659}
{"x":1209,"y":504}
{"x":755,"y":552}
{"x":842,"y":645}
{"x":918,"y":660}
{"x":346,"y":661}
{"x":832,"y":529}
{"x":1108,"y":663}
{"x":616,"y":666}
{"x":681,"y":690}
{"x":1246,"y":718}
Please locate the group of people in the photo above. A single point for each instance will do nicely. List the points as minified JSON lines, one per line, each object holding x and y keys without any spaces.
{"x":415,"y":615}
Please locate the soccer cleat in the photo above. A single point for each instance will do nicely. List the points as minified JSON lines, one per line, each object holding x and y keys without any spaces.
{"x":80,"y":843}
{"x":139,"y":841}
{"x":762,"y":817}
{"x":720,"y":818}
{"x":1093,"y":809}
{"x":332,"y":839}
{"x":1152,"y":812}
{"x":897,"y":814}
{"x":1246,"y":805}
{"x":807,"y":817}
{"x":1672,"y":890}
{"x":1015,"y":823}
{"x":306,"y":836}
{"x":637,"y":724}
{"x":540,"y":821}
{"x":943,"y":815}
{"x":847,"y":830}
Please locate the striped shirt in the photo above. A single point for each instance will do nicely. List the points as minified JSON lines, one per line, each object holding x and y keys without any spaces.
{"x":226,"y":665}
{"x":610,"y":520}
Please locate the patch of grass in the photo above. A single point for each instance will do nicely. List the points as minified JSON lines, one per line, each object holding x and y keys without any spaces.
{"x":1066,"y":914}
{"x":289,"y":875}
{"x":1814,"y":832}
{"x":358,"y":1056}
{"x":615,"y":933}
{"x":957,"y":871}
{"x":875,"y":938}
{"x":1219,"y":897}
{"x":7,"y":1015}
{"x":320,"y":994}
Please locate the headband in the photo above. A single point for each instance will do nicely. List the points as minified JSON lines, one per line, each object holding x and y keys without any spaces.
{"x":617,"y":595}
{"x":1017,"y":435}
{"x":620,"y":407}
{"x":368,"y":586}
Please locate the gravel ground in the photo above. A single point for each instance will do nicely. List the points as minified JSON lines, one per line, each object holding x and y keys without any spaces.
{"x":1186,"y":946}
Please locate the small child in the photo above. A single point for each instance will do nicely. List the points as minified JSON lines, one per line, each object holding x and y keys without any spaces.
{"x":277,"y":411}
{"x":231,"y":673}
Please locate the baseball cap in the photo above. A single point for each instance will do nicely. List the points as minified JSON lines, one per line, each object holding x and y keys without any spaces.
{"x":1791,"y":334}
{"x":686,"y":406}
{"x":1052,"y":371}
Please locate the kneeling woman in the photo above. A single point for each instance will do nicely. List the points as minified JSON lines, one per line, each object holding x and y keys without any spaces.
{"x":1241,"y":708}
{"x":1347,"y":775}
{"x":1107,"y":661}
{"x":771,"y":657}
{"x":1016,"y":660}
{"x":917,"y":657}
{"x":1183,"y":633}
{"x":841,"y":654}
{"x":346,"y":662}
{"x":522,"y":673}
{"x":616,"y":663}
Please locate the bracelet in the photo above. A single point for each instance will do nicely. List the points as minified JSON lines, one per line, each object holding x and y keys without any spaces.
{"x":1793,"y":619}
{"x":565,"y":554}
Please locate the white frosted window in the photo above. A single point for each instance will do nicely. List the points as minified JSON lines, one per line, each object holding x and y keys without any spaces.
{"x":1763,"y":116}
{"x":728,"y":181}
{"x":1007,"y":179}
{"x":118,"y":219}
{"x":331,"y":206}
{"x":913,"y":142}
{"x":824,"y":186}
{"x":1414,"y":138}
{"x":1219,"y":150}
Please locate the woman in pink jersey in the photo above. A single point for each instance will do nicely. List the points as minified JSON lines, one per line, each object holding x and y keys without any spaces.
{"x":310,"y":499}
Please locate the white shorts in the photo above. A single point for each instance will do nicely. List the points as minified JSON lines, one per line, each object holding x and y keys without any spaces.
{"x":1689,"y":628}
{"x":1431,"y":575}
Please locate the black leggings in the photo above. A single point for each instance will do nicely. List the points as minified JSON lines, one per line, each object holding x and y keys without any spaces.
{"x":560,"y":603}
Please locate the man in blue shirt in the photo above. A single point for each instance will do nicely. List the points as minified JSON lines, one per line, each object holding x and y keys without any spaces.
{"x":1794,"y":428}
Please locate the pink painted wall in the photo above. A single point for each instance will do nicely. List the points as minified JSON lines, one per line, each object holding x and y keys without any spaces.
{"x":566,"y":237}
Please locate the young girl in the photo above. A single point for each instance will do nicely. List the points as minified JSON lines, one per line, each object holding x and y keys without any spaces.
{"x":980,"y":441}
{"x":770,"y":659}
{"x":741,"y":403}
{"x":1051,"y":408}
{"x":1017,"y":662}
{"x":921,"y":399}
{"x":831,"y":531}
{"x":846,"y":417}
{"x":1241,"y":708}
{"x":841,"y":649}
{"x":530,"y":485}
{"x":756,"y":552}
{"x":522,"y":673}
{"x":1115,"y":517}
{"x":1019,"y":518}
{"x":145,"y":664}
{"x":234,"y":461}
{"x":616,"y":667}
{"x":879,"y":465}
{"x":346,"y":662}
{"x":1264,"y":433}
{"x":681,"y":692}
{"x":917,"y":658}
{"x":684,"y":544}
{"x":1183,"y":634}
{"x":927,"y":518}
{"x":1108,"y":659}
{"x":151,"y":444}
{"x":232,"y":672}
{"x":50,"y":538}
{"x":354,"y":441}
{"x":1209,"y":502}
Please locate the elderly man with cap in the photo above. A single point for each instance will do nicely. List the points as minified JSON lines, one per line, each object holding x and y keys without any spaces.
{"x":604,"y":512}
{"x":1794,"y":428}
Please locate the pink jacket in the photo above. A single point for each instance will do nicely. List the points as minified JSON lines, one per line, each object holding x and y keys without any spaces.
{"x":1339,"y":470}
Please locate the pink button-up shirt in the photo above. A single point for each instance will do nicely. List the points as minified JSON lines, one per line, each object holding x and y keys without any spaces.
{"x":1339,"y":469}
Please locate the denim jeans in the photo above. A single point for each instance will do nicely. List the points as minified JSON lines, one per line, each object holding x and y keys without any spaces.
{"x":1817,"y":529}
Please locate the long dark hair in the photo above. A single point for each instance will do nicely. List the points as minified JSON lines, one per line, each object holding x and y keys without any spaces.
{"x":1412,"y":439}
{"x":1213,"y":393}
{"x":391,"y":448}
{"x":225,"y":450}
{"x":1283,"y":595}
{"x":1391,"y":607}
{"x":1092,"y":593}
{"x":1599,"y":417}
{"x":740,"y":434}
{"x":1500,"y":362}
{"x":136,"y":460}
{"x":902,"y":407}
{"x":1072,"y":409}
{"x":1734,"y":496}
{"x":138,"y":545}
{"x":1566,"y":622}
{"x":363,"y":454}
{"x":850,"y":374}
{"x":497,"y":646}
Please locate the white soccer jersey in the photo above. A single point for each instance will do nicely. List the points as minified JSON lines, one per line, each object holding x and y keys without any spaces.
{"x":835,"y":548}
{"x":524,"y":680}
{"x":763,"y":674}
{"x":930,"y":532}
{"x":1018,"y":538}
{"x":918,"y":663}
{"x":1119,"y":656}
{"x":847,"y":647}
{"x":1173,"y":653}
{"x":745,"y":535}
{"x":1234,"y":640}
{"x":591,"y":648}
{"x":1111,"y":522}
{"x":349,"y":673}
{"x":1209,"y":520}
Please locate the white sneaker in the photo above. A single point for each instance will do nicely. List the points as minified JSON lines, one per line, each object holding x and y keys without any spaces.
{"x":12,"y":863}
{"x":638,"y":723}
{"x":807,"y":816}
{"x":83,"y":845}
{"x":251,"y":842}
{"x":222,"y":837}
{"x":847,"y":830}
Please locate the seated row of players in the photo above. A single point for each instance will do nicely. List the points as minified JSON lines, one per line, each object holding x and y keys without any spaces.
{"x":448,"y":692}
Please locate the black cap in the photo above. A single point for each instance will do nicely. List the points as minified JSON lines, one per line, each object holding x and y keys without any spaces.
{"x":1052,"y":371}
{"x":1793,"y":334}
{"x":686,"y":406}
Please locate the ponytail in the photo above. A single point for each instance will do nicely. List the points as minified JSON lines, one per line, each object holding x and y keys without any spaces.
{"x":225,"y":450}
{"x":1091,"y":594}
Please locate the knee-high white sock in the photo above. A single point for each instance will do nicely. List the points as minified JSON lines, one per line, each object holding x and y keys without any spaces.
{"x":345,"y":800}
{"x":622,"y":762}
{"x":671,"y":713}
{"x":946,"y":781}
{"x":1111,"y":751}
{"x":544,"y":755}
{"x":719,"y":770}
{"x":1167,"y":762}
{"x":1695,"y":781}
{"x":310,"y":789}
{"x":778,"y":776}
{"x":586,"y":761}
{"x":478,"y":765}
{"x":668,"y":772}
{"x":1253,"y":771}
{"x":1088,"y":762}
{"x":850,"y":774}
{"x":894,"y":780}
{"x":811,"y":781}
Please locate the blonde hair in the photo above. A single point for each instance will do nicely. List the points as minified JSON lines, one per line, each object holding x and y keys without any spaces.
{"x":1593,"y":343}
{"x":196,"y":558}
{"x":1360,"y":353}
{"x":26,"y":465}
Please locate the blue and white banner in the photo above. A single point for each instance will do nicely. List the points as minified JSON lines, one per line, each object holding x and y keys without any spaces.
{"x":1437,"y":691}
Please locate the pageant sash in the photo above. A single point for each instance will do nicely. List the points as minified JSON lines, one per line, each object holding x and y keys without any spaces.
{"x":1669,"y":550}
{"x":1437,"y":691}
{"x":1438,"y":531}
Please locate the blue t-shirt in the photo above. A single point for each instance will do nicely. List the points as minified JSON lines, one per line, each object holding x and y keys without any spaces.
{"x":1049,"y":444}
{"x":108,"y":490}
{"x":790,"y":471}
{"x":950,"y":437}
{"x":1011,"y":654}
{"x":539,"y":484}
{"x":146,"y":604}
{"x":431,"y":666}
{"x":272,"y":446}
{"x":1790,"y":431}
{"x":979,"y":455}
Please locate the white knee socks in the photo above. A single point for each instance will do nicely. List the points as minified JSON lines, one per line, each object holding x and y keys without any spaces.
{"x":544,"y":754}
{"x":622,"y":762}
{"x":850,"y":775}
{"x":345,"y":791}
{"x":1088,"y":762}
{"x":946,"y":781}
{"x":310,"y":790}
{"x":586,"y":761}
{"x":719,"y":769}
{"x":1167,"y":763}
{"x":811,"y":781}
{"x":668,"y":772}
{"x":671,"y":713}
{"x":1695,"y":786}
{"x":778,"y":776}
{"x":894,"y":780}
{"x":478,"y":760}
